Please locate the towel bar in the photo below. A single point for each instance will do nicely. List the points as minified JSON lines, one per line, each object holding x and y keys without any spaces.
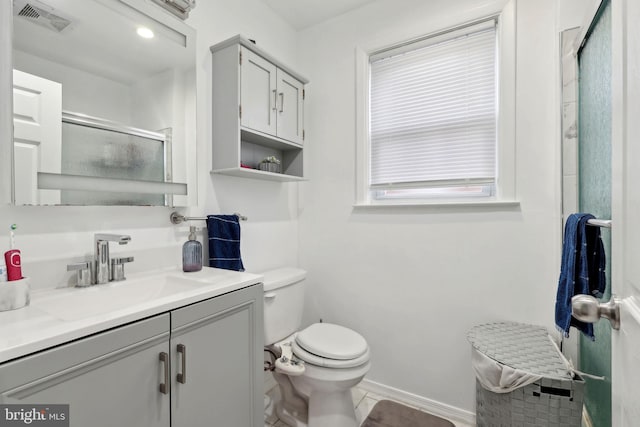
{"x":177,"y":218}
{"x":604,"y":223}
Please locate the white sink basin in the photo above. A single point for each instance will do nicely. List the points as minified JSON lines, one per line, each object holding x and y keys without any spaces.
{"x":60,"y":315}
{"x":79,"y":303}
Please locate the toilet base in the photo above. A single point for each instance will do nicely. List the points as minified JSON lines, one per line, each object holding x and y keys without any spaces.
{"x":325,"y":409}
{"x":292,"y":420}
{"x":314,"y":409}
{"x":321,"y":397}
{"x":292,"y":409}
{"x":332,"y":409}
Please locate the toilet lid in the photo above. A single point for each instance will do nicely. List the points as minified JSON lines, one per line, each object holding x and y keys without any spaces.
{"x":332,"y":341}
{"x":325,"y":362}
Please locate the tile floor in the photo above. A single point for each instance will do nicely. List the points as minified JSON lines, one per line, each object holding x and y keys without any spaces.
{"x":363,"y":402}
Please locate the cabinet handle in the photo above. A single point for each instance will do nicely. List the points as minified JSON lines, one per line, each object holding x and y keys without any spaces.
{"x":182,"y":376}
{"x":275,"y":100}
{"x":164,"y":387}
{"x":281,"y":102}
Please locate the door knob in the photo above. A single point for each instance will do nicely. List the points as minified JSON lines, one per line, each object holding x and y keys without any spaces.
{"x":589,"y":310}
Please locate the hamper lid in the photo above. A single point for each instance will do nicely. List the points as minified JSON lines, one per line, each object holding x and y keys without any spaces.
{"x":520,"y":346}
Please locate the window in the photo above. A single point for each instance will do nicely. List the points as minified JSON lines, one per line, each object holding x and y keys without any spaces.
{"x":430,"y":121}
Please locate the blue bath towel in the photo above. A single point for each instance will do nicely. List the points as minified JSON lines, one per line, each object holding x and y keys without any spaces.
{"x":224,"y":242}
{"x":582,"y":270}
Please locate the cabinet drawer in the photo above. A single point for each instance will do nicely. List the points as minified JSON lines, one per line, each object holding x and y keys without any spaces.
{"x":57,"y":359}
{"x":205,"y":311}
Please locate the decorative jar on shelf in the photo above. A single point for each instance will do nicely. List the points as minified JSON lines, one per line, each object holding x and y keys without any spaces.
{"x":270,"y":164}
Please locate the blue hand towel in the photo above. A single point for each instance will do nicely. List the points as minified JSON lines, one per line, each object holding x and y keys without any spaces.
{"x":582,"y":270}
{"x":224,"y":242}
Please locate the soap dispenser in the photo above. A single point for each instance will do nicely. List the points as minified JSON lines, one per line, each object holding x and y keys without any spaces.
{"x":192,"y":253}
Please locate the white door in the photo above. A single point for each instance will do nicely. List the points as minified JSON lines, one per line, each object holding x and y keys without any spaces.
{"x":37,"y":136}
{"x":290,"y":104}
{"x":626,"y":211}
{"x":257,"y":93}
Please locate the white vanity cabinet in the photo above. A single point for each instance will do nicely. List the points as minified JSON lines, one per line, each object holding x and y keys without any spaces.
{"x":109,"y":379}
{"x":258,"y":112}
{"x":200,"y":365}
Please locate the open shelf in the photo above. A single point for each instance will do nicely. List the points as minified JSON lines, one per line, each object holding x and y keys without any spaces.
{"x":255,"y":173}
{"x":257,"y":137}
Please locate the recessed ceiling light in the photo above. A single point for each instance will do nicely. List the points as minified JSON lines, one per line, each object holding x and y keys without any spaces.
{"x":145,"y":32}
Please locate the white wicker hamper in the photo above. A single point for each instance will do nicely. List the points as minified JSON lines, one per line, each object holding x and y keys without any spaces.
{"x":554,"y":400}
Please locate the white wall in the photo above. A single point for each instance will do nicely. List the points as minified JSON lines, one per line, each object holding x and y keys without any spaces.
{"x":574,"y":13}
{"x":414,"y":280}
{"x":270,"y":236}
{"x":154,"y":100}
{"x":51,"y":237}
{"x":82,"y":92}
{"x":163,"y":101}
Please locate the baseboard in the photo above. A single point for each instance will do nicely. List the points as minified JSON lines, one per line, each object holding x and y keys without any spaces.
{"x":433,"y":407}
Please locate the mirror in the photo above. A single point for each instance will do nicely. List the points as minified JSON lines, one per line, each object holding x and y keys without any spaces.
{"x":104,"y":103}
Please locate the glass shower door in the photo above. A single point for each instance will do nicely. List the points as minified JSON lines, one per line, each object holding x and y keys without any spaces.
{"x":594,"y":189}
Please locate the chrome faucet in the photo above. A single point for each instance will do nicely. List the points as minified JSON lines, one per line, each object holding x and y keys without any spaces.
{"x":102,"y":261}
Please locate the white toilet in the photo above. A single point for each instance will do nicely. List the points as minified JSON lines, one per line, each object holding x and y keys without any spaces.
{"x":315,"y":367}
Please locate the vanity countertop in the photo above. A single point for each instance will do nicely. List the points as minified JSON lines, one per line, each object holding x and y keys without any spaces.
{"x":57,"y":316}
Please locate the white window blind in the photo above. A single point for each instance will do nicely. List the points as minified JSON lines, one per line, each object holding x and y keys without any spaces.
{"x":433,"y":113}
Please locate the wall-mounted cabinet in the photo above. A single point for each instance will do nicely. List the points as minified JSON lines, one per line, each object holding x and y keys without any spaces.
{"x":258,"y":112}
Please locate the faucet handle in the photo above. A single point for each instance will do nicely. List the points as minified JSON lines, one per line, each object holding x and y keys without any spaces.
{"x":117,"y":267}
{"x":83,"y":273}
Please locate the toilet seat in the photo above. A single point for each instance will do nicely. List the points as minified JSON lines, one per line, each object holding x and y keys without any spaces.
{"x":331,"y":346}
{"x":324,"y":362}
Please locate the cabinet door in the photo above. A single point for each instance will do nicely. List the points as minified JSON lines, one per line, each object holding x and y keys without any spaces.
{"x":257,"y":93}
{"x":217,"y":362}
{"x":290,"y":107}
{"x":110,"y":379}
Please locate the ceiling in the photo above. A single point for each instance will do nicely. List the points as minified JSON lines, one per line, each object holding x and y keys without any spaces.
{"x":301,"y":14}
{"x":101,"y":39}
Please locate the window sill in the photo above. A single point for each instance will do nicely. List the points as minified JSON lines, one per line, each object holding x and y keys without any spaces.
{"x":491,"y":205}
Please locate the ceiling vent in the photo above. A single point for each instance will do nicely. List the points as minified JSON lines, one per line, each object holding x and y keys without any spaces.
{"x":40,"y":14}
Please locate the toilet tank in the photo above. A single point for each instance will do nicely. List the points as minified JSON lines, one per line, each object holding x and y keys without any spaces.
{"x":283,"y":302}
